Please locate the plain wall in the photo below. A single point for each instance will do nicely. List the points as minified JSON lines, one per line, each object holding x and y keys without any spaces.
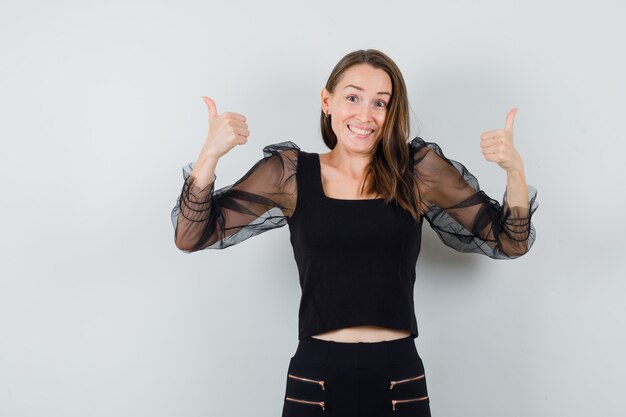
{"x":100,"y":313}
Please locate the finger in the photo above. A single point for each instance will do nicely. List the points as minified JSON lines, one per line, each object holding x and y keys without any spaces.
{"x":510,"y":118}
{"x":235,"y":116}
{"x":236,"y":123}
{"x":490,"y":149}
{"x":242,"y":132}
{"x":495,"y":141}
{"x":212,"y":107}
{"x":492,"y":134}
{"x":492,"y":157}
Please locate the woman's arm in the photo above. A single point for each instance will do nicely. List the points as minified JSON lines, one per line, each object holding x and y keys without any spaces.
{"x":259,"y":201}
{"x":463,"y":216}
{"x":225,"y":132}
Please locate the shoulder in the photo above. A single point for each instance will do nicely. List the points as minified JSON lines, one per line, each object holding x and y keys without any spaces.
{"x":426,"y":154}
{"x":430,"y":162}
{"x":282,"y":154}
{"x":288,"y":151}
{"x":287,"y":147}
{"x":418,"y":146}
{"x":284,"y":159}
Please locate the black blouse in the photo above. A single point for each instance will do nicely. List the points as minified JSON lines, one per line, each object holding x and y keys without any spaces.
{"x":356,"y":258}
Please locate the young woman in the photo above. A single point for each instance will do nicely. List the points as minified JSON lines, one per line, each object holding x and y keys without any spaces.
{"x":355,"y":216}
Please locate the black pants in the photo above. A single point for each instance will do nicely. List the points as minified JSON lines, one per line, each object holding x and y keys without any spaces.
{"x":339,"y":379}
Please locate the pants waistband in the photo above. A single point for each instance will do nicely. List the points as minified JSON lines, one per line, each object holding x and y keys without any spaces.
{"x":357,"y":354}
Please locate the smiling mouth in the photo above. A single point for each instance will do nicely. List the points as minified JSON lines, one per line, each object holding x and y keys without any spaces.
{"x":360,"y":132}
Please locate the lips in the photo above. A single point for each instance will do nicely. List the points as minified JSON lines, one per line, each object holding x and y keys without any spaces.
{"x":360,"y":132}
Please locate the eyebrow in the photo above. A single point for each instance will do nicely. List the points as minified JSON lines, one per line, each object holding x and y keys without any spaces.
{"x":360,"y":89}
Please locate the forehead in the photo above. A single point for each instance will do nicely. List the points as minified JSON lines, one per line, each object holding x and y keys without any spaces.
{"x":366,"y":77}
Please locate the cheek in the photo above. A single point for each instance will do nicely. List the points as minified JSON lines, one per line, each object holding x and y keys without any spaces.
{"x":380,"y":119}
{"x":336,"y":125}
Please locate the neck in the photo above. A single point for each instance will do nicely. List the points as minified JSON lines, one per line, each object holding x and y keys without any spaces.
{"x":351,"y":164}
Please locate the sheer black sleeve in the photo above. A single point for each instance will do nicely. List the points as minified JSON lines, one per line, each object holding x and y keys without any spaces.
{"x":261,"y":200}
{"x":463,"y":216}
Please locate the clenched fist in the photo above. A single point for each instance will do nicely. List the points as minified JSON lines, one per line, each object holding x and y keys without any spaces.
{"x":497,"y":146}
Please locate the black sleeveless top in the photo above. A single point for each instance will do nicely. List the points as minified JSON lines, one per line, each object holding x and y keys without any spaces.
{"x":356,"y":258}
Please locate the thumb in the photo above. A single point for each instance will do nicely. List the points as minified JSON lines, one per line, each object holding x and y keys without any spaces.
{"x":510,"y":118}
{"x":212,"y":107}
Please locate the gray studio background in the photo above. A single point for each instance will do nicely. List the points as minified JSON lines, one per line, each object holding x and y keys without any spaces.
{"x":100,"y":313}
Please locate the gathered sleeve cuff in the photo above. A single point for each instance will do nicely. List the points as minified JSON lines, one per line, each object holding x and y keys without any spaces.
{"x":195,"y":202}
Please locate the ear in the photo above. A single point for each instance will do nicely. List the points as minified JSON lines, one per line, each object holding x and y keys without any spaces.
{"x":325,"y":97}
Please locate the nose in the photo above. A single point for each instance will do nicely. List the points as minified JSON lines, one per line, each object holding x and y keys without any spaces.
{"x":364,"y":114}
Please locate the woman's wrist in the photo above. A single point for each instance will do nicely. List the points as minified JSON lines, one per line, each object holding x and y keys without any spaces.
{"x":204,"y":171}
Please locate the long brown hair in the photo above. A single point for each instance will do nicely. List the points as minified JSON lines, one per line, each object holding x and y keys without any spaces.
{"x":390,"y":166}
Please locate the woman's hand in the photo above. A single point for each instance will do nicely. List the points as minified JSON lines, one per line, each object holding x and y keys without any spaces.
{"x":497,"y":146}
{"x":225,"y":132}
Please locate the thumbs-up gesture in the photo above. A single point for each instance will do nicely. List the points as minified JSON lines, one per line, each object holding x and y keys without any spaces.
{"x":225,"y":131}
{"x":497,"y":146}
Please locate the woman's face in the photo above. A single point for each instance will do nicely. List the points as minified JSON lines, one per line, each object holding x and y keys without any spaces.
{"x":358,"y":107}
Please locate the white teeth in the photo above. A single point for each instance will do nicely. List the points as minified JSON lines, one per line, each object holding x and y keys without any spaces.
{"x":360,"y":132}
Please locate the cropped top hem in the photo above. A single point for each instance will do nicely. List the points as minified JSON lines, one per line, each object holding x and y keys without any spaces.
{"x":342,"y":325}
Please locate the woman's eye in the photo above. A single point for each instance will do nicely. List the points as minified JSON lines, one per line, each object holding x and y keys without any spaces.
{"x":351,"y":98}
{"x":381,"y":104}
